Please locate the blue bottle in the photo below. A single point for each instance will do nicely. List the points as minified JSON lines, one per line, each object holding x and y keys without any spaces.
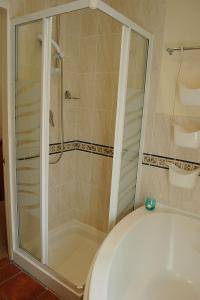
{"x":150,"y":203}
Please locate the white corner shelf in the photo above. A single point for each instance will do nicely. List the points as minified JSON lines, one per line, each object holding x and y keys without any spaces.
{"x":182,"y":178}
{"x":186,"y":138}
{"x":189,"y":96}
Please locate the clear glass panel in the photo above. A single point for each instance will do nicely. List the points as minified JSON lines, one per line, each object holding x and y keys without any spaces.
{"x":27,"y":126}
{"x":133,"y":122}
{"x":79,"y":183}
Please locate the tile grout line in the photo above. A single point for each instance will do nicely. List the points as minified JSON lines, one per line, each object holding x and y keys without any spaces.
{"x":8,"y":279}
{"x":42,"y":293}
{"x":21,"y":271}
{"x":46,"y":289}
{"x":5,"y":265}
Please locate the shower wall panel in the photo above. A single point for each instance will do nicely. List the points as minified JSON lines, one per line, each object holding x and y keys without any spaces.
{"x":99,"y":67}
{"x":91,"y":44}
{"x":132,"y":123}
{"x":27,"y":130}
{"x":66,"y":31}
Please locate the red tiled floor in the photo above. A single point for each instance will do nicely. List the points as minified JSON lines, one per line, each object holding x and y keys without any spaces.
{"x":16,"y":285}
{"x":4,"y":261}
{"x":20,"y":287}
{"x":8,"y":271}
{"x":47,"y":296}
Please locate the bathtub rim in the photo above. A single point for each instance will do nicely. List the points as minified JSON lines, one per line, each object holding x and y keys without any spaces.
{"x":98,"y":278}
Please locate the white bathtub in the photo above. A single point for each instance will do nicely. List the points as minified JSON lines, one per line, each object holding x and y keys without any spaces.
{"x":148,"y":256}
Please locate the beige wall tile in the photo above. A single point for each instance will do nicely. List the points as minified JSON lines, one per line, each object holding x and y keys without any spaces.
{"x":68,"y":167}
{"x":88,"y":54}
{"x":101,"y":127}
{"x":108,"y":53}
{"x":83,"y":166}
{"x":54,"y":172}
{"x":31,"y":6}
{"x":82,"y":196}
{"x":70,"y":24}
{"x":87,"y":89}
{"x":98,"y":212}
{"x":66,"y":196}
{"x":71,"y":48}
{"x":89,"y":22}
{"x":70,"y":130}
{"x":101,"y":171}
{"x":108,"y":25}
{"x":16,"y":8}
{"x":84,"y":124}
{"x":104,"y":96}
{"x":162,"y":134}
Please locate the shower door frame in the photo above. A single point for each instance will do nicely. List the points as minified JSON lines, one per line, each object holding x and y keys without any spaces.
{"x":28,"y":262}
{"x":120,"y":117}
{"x":44,"y":138}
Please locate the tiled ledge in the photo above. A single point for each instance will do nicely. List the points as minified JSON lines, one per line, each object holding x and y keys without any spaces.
{"x":162,"y":162}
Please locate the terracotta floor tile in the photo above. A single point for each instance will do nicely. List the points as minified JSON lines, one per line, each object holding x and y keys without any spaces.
{"x":4,"y":261}
{"x":20,"y":287}
{"x":47,"y":296}
{"x":8,"y":271}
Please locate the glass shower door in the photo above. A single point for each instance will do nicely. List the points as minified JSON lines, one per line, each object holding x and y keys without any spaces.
{"x":28,"y":80}
{"x":132,"y":124}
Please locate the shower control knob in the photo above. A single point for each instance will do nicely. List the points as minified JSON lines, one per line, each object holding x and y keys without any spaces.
{"x":69,"y":96}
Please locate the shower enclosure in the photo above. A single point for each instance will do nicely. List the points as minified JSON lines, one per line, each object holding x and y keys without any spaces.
{"x":80,"y":80}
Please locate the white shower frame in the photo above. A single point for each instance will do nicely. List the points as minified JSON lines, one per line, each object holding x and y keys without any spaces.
{"x":40,"y":270}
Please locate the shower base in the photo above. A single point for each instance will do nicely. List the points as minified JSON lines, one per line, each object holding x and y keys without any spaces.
{"x":72,"y":248}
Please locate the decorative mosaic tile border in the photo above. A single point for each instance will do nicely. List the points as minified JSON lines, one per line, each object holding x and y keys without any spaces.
{"x":95,"y":148}
{"x":56,"y":148}
{"x":82,"y":146}
{"x":163,"y":162}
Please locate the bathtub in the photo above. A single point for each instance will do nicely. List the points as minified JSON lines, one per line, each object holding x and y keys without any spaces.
{"x":148,"y":256}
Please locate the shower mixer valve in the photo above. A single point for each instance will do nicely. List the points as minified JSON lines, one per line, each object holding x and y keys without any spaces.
{"x":51,"y":119}
{"x":69,"y":96}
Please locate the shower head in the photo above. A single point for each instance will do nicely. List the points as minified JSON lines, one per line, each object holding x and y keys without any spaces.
{"x":55,"y":45}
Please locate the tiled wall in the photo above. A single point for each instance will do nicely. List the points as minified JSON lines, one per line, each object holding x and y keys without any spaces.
{"x":170,"y":111}
{"x":80,"y":184}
